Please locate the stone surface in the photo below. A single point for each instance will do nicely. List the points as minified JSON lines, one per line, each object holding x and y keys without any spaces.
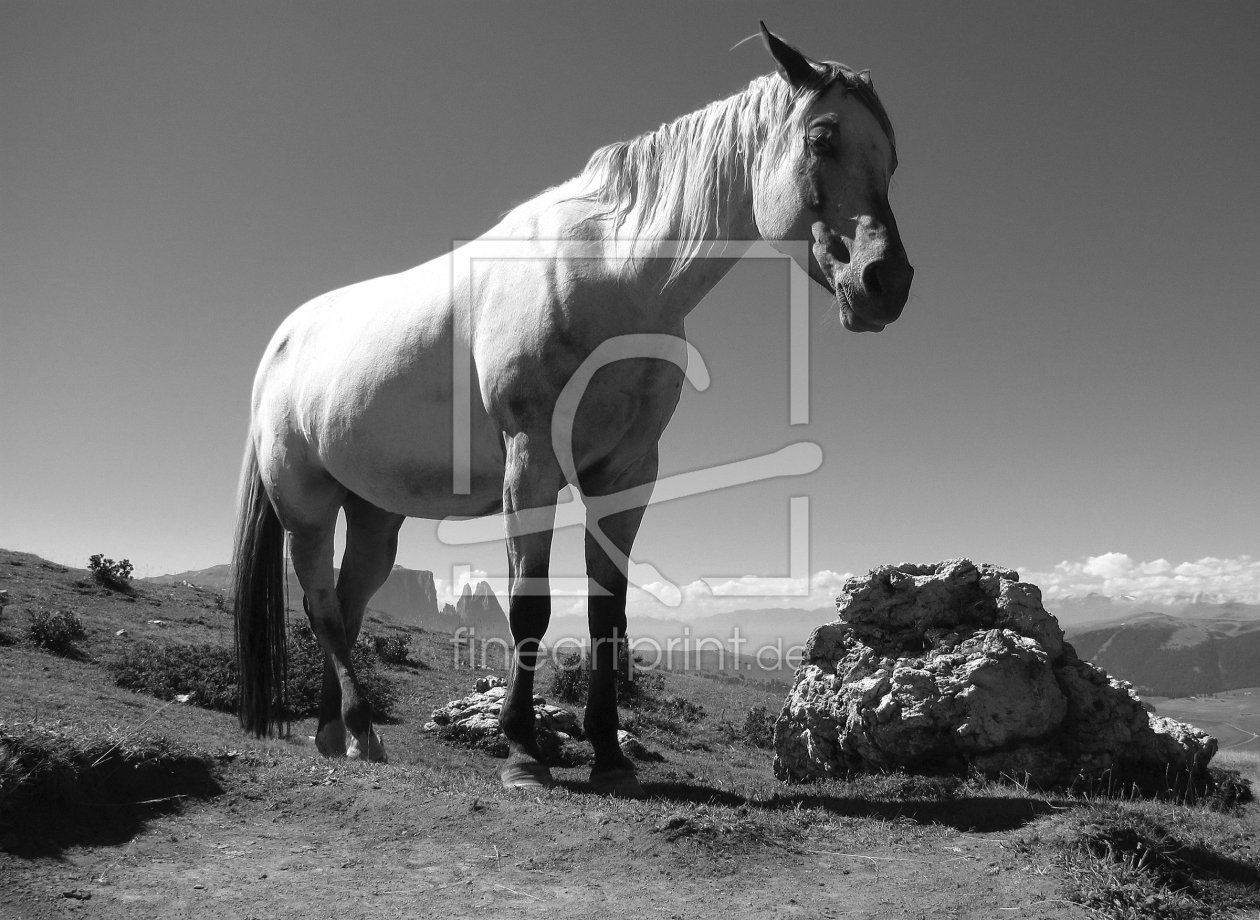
{"x":635,"y":749}
{"x":474,"y":722}
{"x":953,"y":667}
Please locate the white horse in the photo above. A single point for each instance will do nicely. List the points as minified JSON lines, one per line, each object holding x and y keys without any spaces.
{"x":444,"y":390}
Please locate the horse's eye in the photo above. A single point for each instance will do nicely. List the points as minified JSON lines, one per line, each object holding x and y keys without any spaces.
{"x":820,"y":142}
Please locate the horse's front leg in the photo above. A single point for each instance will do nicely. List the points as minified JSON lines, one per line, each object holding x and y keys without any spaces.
{"x":608,"y":543}
{"x":531,"y":481}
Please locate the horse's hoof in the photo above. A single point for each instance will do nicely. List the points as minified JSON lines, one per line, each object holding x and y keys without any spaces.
{"x":621,"y":784}
{"x":373,"y":751}
{"x":330,"y":740}
{"x":525,"y":776}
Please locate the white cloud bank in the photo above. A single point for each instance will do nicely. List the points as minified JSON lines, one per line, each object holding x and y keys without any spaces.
{"x":1159,"y":582}
{"x":747,"y":592}
{"x":1209,"y":580}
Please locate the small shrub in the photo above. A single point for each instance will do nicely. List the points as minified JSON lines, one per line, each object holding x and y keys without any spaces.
{"x":569,"y":679}
{"x":113,"y":575}
{"x":681,"y":709}
{"x":56,"y":631}
{"x":758,"y":728}
{"x":391,"y":649}
{"x":208,"y":673}
{"x":642,"y":691}
{"x":306,"y":675}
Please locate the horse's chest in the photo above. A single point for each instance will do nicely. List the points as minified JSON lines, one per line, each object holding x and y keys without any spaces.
{"x":623,"y":411}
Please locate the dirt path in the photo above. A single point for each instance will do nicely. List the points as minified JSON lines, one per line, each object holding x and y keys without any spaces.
{"x":378,"y":842}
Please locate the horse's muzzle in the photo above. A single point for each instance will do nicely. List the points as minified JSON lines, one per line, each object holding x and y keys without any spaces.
{"x":883,"y":290}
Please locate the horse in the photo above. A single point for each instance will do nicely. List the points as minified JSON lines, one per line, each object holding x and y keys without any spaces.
{"x":448,"y":390}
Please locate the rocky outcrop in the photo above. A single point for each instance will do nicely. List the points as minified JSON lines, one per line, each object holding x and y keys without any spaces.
{"x":410,"y":594}
{"x":481,"y":610}
{"x":474,"y":722}
{"x":954,"y":667}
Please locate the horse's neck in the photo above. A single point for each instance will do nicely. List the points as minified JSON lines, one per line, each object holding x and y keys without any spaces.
{"x":679,"y":294}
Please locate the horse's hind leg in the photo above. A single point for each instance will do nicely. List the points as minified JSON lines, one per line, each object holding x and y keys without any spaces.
{"x":371,"y":547}
{"x":310,"y":502}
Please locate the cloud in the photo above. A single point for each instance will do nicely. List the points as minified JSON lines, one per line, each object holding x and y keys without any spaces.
{"x":1157,"y":581}
{"x":746,"y":592}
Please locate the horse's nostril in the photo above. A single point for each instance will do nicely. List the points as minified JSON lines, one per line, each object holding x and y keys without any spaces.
{"x":873,"y":278}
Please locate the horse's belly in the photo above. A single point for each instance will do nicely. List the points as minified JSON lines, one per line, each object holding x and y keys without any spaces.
{"x":407,"y":465}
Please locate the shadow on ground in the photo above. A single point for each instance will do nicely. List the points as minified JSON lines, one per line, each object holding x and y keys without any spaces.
{"x":973,"y":814}
{"x":108,"y":805}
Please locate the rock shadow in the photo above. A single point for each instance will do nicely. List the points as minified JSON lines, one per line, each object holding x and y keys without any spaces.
{"x":976,"y":814}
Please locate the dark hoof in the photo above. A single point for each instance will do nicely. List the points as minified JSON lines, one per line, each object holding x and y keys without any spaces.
{"x":621,"y":784}
{"x":525,"y":776}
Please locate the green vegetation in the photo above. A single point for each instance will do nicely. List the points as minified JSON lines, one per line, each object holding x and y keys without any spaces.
{"x":392,"y":649}
{"x":758,"y":728}
{"x":56,"y":631}
{"x":50,"y":765}
{"x":1142,"y":859}
{"x":637,"y":688}
{"x":110,"y":574}
{"x":306,"y":675}
{"x":715,"y":807}
{"x":568,"y":679}
{"x":206,"y":673}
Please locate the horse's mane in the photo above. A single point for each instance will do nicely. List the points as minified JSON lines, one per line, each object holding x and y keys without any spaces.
{"x":676,"y":181}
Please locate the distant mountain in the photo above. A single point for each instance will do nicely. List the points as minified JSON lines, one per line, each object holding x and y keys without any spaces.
{"x":217,"y":577}
{"x":408,"y":597}
{"x":1082,"y":609}
{"x":480,"y":610}
{"x":1163,"y":655}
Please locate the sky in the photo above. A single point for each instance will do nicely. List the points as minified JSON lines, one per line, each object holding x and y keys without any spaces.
{"x":1072,"y":389}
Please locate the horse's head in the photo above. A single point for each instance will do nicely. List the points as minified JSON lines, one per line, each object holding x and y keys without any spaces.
{"x":824,"y":180}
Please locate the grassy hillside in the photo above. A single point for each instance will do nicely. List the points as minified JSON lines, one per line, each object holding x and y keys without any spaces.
{"x":1232,"y":717}
{"x":127,"y":806}
{"x":1169,"y":656}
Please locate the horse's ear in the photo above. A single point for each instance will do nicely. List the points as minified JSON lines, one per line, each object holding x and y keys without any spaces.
{"x":793,"y":66}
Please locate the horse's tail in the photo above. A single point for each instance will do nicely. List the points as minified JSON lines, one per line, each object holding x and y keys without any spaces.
{"x":258,"y":604}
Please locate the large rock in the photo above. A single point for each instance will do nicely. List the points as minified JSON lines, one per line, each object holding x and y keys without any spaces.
{"x":952,"y":667}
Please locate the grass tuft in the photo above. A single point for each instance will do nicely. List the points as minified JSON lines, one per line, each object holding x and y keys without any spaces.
{"x":1143,"y":860}
{"x":45,"y":765}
